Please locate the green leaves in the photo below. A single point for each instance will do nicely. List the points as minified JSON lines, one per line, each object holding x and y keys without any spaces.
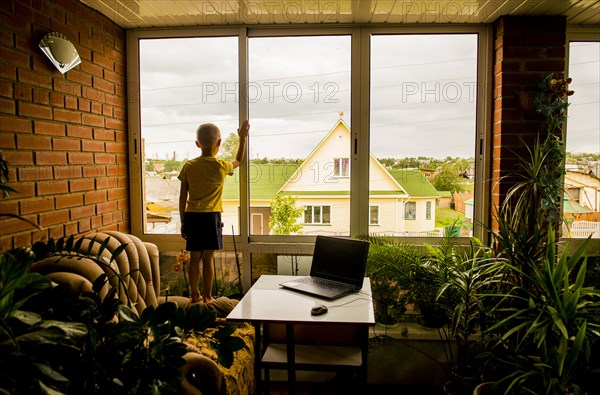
{"x":226,"y":344}
{"x":54,"y":342}
{"x":194,"y":319}
{"x":550,"y":321}
{"x":32,"y":345}
{"x":284,"y":215}
{"x":198,"y":323}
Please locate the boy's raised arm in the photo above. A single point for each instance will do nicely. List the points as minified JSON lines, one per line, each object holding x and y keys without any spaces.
{"x":243,"y":135}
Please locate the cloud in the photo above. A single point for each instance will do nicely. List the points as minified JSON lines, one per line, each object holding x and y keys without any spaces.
{"x":422,"y":93}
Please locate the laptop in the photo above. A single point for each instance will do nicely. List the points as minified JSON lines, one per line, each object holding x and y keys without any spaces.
{"x":337,"y":269}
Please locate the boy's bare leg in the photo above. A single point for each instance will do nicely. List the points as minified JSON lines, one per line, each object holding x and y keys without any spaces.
{"x":194,"y":273}
{"x":208,"y":274}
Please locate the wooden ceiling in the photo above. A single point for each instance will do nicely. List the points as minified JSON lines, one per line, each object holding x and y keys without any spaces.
{"x":132,"y":14}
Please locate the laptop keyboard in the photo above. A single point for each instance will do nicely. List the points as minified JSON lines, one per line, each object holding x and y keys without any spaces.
{"x":323,"y":283}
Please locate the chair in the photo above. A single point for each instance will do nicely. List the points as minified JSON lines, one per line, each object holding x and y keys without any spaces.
{"x":138,"y":264}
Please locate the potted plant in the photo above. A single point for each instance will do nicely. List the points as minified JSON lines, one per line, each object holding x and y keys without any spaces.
{"x":32,"y":346}
{"x":54,"y":341}
{"x":467,"y":291}
{"x":436,"y":270}
{"x":543,"y":323}
{"x":546,"y":334}
{"x":388,"y":266}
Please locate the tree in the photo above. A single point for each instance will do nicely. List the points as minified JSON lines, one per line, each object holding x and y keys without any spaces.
{"x":284,"y":214}
{"x":448,"y":179}
{"x":229,"y":147}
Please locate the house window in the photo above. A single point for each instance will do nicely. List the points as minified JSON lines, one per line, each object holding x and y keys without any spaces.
{"x":428,"y":210}
{"x":410,"y":210}
{"x":373,"y":215}
{"x":341,"y":167}
{"x":317,"y":215}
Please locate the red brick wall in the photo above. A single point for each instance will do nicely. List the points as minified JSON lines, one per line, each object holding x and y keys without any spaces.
{"x":527,"y":48}
{"x":64,"y":136}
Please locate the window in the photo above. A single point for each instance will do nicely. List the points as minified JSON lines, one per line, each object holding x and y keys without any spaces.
{"x":581,"y":207}
{"x":192,"y":81}
{"x":298,"y":109}
{"x":410,"y":210}
{"x":341,"y":167}
{"x":423,"y":95}
{"x":317,"y":215}
{"x":373,"y":215}
{"x":413,"y":110}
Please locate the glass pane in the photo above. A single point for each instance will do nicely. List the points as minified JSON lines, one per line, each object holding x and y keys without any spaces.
{"x":423,"y":131}
{"x":307,"y":215}
{"x":337,"y":167}
{"x":374,"y":215}
{"x":410,"y":210}
{"x":299,"y":97}
{"x":345,"y":167}
{"x":581,"y":207}
{"x":317,"y":214}
{"x":326,"y":214}
{"x":184,"y":82}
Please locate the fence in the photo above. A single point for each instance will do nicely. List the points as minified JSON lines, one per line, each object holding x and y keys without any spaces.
{"x":583,"y":229}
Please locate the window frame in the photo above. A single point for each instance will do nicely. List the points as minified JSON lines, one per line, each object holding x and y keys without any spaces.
{"x":338,"y":167}
{"x":576,"y":33}
{"x":428,"y":210}
{"x":359,"y":123}
{"x":413,"y":217}
{"x":321,"y":214}
{"x":371,"y":207}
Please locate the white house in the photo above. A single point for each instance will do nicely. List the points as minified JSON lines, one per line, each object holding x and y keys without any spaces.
{"x":402,"y":202}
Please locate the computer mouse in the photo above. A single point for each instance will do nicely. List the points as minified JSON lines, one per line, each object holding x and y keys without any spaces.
{"x":318,"y":310}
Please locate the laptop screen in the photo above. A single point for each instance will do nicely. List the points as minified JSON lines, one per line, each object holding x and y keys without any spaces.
{"x":340,"y":259}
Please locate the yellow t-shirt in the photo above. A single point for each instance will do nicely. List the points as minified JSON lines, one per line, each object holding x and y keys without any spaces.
{"x":205,"y":177}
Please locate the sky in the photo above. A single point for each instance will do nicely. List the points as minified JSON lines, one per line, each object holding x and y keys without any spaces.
{"x":583,"y":119}
{"x":422,"y":94}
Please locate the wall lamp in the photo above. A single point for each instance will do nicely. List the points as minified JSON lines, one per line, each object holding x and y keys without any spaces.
{"x":60,"y":51}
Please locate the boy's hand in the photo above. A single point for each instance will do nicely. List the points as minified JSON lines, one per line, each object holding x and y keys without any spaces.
{"x":183,"y":232}
{"x":243,"y":130}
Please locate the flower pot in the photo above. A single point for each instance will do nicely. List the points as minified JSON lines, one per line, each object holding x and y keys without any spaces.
{"x":526,"y":101}
{"x":486,"y":388}
{"x":387,"y":326}
{"x":432,"y":316}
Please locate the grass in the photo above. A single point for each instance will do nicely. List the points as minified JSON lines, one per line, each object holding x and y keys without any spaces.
{"x":446,"y":217}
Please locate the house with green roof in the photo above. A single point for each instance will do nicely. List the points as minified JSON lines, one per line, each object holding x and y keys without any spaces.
{"x":401,"y":202}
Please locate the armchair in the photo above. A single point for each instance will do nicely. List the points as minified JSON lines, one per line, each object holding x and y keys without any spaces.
{"x":138,"y":264}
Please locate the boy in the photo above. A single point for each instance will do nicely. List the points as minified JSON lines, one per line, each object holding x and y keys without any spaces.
{"x":200,"y":203}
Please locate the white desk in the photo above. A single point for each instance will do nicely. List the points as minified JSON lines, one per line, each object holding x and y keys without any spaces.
{"x":266,"y":302}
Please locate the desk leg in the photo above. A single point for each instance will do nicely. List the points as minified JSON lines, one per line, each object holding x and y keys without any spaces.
{"x":258,"y":357}
{"x":267,"y":381}
{"x":291,"y":358}
{"x":364,"y":341}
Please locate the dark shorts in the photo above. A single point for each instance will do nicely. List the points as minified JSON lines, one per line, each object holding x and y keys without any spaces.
{"x":204,"y":231}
